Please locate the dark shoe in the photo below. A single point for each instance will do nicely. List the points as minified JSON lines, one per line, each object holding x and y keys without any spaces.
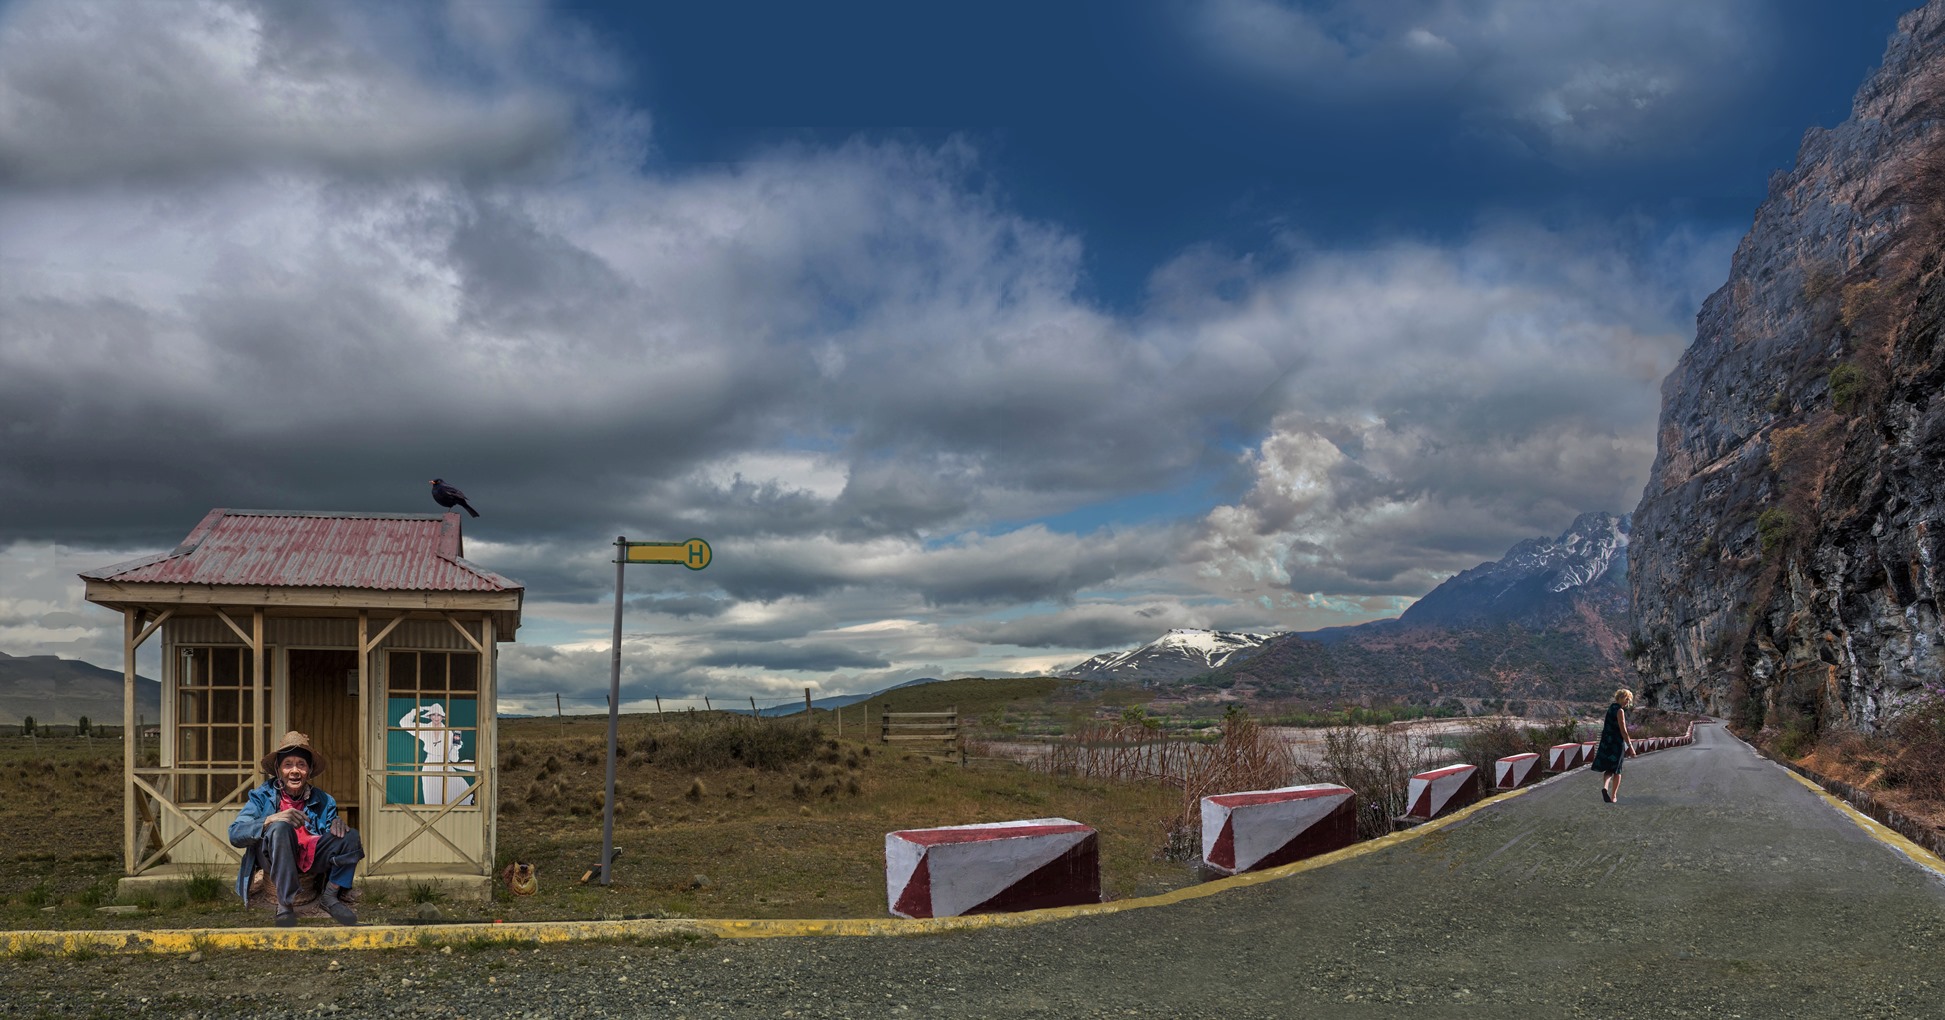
{"x":286,"y":918}
{"x":1605,"y":797}
{"x":335,"y":907}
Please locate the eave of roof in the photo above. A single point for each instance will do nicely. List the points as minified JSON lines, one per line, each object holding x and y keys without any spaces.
{"x":316,"y":549}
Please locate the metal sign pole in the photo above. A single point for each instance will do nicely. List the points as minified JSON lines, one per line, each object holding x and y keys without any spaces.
{"x":614,"y":718}
{"x":694,"y":554}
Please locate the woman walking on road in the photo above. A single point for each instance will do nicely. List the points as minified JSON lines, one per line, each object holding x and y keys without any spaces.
{"x":1614,"y":745}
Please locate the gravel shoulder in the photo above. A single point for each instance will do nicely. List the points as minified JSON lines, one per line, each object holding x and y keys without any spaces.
{"x":1718,"y":887}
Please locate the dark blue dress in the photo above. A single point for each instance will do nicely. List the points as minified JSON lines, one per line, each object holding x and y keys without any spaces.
{"x":1612,"y":749}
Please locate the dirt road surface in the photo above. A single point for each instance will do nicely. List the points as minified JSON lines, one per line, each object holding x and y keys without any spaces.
{"x":1718,"y":887}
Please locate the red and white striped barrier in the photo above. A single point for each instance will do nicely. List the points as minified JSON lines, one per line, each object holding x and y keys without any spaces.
{"x":1563,"y":757}
{"x":1261,"y":829}
{"x":1515,"y":771}
{"x":1433,"y":793}
{"x":1587,"y":751}
{"x":993,"y":867}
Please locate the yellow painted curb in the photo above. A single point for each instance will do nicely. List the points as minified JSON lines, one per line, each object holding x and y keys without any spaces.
{"x":1878,"y":830}
{"x":183,"y":940}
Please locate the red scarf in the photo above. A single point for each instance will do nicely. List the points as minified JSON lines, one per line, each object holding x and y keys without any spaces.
{"x":306,"y":840}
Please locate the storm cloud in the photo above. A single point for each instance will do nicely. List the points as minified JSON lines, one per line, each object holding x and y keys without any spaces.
{"x":246,"y":270}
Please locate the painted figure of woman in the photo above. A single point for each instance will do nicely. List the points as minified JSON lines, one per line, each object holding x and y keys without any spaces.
{"x":442,"y":750}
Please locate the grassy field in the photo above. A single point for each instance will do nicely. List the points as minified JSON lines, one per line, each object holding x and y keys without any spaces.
{"x":717,"y":815}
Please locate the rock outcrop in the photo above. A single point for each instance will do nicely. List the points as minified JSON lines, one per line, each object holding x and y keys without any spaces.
{"x":1786,"y":558}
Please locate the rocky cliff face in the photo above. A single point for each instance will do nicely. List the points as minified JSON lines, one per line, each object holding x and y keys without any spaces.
{"x":1786,"y":558}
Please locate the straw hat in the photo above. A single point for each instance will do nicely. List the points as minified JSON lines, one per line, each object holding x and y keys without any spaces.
{"x":293,"y":743}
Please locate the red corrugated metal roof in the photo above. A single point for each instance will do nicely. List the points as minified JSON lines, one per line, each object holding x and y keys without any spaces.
{"x":304,"y":549}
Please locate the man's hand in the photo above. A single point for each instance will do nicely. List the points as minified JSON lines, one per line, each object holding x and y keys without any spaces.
{"x":337,"y":826}
{"x":291,"y":815}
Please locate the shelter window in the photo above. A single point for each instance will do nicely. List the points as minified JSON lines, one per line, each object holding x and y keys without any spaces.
{"x":431,"y":726}
{"x":215,"y":702}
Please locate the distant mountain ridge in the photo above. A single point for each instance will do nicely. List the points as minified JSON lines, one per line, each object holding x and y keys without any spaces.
{"x":1180,"y":653}
{"x":59,"y":691}
{"x":1526,"y":584}
{"x":1546,"y":621}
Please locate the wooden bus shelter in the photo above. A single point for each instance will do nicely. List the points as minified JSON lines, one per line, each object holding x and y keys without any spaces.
{"x":372,"y":633}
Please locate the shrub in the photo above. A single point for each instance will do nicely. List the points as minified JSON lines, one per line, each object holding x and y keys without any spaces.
{"x":1378,"y":764}
{"x":1775,"y":527}
{"x":203,"y":887}
{"x":722,"y":743}
{"x":1847,"y":383}
{"x":1490,"y":741}
{"x":1917,"y":730}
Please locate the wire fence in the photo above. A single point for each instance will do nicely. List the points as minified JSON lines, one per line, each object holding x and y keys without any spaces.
{"x":851,"y":720}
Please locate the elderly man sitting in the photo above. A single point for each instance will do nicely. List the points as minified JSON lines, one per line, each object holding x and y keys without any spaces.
{"x":293,"y":830}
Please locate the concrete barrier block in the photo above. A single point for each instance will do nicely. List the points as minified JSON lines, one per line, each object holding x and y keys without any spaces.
{"x":1563,"y":757}
{"x":1515,"y":771}
{"x":993,"y":867}
{"x":1434,"y":793}
{"x":1587,"y":751}
{"x":1260,"y":829}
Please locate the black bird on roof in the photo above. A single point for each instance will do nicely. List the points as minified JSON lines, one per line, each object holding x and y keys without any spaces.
{"x":447,"y":496}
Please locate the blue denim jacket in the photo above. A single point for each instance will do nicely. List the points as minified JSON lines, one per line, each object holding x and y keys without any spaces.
{"x":320,"y":810}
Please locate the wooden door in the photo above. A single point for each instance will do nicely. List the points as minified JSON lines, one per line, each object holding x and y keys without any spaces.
{"x":324,"y":705}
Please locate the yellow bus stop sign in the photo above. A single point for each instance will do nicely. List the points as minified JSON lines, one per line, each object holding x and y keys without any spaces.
{"x":693,"y":554}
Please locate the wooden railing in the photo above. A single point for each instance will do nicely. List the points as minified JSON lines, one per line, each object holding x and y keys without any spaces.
{"x":920,"y":727}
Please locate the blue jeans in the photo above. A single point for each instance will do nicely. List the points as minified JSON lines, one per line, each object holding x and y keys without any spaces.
{"x":277,"y":855}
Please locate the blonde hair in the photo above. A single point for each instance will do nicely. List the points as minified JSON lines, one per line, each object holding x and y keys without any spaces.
{"x":1623,"y":695}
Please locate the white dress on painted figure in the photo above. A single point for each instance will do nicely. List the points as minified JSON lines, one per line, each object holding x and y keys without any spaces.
{"x":442,"y":749}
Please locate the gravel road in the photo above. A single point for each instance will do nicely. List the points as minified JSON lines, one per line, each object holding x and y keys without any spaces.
{"x":1718,"y":887}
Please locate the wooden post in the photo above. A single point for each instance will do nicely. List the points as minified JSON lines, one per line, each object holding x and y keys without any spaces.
{"x":365,"y":711}
{"x":706,"y":706}
{"x":489,"y":796}
{"x":753,"y":714}
{"x":259,"y":722}
{"x":129,"y":622}
{"x":658,"y":706}
{"x":806,"y":705}
{"x":558,"y":715}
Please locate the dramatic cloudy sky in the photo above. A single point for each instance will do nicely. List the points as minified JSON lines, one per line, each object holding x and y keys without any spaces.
{"x":975,"y":338}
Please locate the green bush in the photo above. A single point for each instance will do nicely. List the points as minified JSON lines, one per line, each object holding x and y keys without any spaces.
{"x":1774,"y":527}
{"x":1846,"y":387}
{"x":723,"y":743}
{"x":203,"y":887}
{"x":1496,"y":738}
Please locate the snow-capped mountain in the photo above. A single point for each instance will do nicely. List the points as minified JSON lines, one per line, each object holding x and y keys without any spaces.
{"x":1179,"y":653}
{"x":1547,"y":621}
{"x":1590,"y":554}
